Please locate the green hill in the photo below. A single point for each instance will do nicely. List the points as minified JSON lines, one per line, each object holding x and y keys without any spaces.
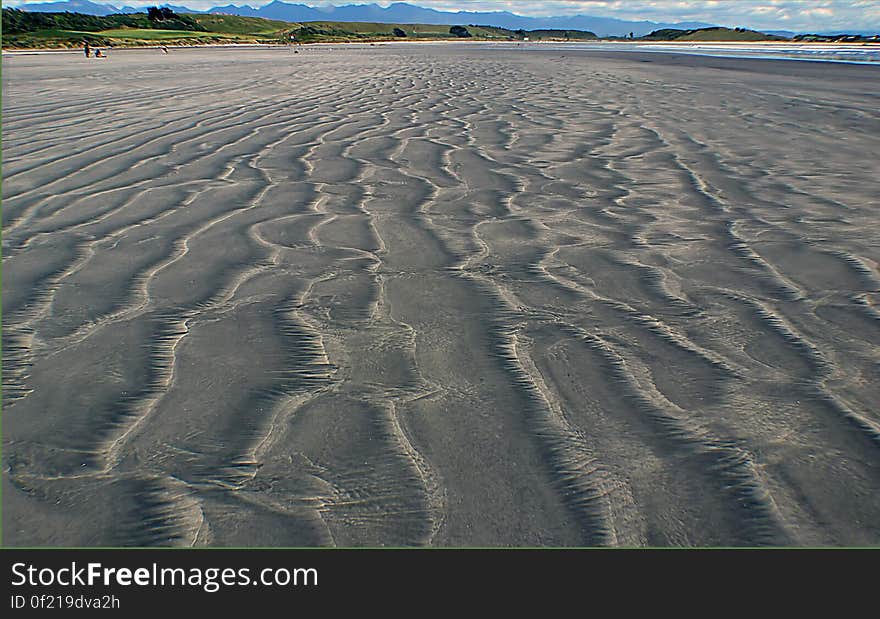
{"x":16,"y":21}
{"x":344,"y":31}
{"x":64,"y":30}
{"x":561,"y":35}
{"x":234,"y":24}
{"x":717,"y":34}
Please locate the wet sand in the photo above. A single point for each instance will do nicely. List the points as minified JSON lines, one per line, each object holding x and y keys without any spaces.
{"x":439,"y":295}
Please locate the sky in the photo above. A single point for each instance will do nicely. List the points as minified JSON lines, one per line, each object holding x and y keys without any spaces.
{"x":798,"y":15}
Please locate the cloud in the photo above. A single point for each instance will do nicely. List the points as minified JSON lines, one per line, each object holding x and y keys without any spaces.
{"x":759,"y":14}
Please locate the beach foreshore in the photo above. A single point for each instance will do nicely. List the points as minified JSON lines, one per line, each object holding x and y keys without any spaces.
{"x":439,"y":295}
{"x":147,"y":44}
{"x":849,"y":53}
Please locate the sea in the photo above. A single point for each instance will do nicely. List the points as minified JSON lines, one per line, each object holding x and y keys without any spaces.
{"x":849,"y":53}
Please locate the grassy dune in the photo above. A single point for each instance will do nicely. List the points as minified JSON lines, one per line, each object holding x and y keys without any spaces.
{"x":150,"y":35}
{"x":124,"y":37}
{"x":57,"y":30}
{"x":136,"y":30}
{"x":411,"y":30}
{"x":717,"y":34}
{"x":233,"y":24}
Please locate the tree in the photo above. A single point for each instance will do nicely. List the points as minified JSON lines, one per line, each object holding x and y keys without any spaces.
{"x":398,"y":32}
{"x":459,"y":31}
{"x":157,"y":14}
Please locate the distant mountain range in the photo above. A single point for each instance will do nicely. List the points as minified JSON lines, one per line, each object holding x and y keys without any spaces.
{"x":403,"y":13}
{"x":397,"y":13}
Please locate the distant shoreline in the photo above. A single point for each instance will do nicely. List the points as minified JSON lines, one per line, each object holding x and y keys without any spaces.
{"x":682,"y":44}
{"x":586,"y":45}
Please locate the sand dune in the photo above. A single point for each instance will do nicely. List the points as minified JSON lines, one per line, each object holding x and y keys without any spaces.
{"x":439,"y":295}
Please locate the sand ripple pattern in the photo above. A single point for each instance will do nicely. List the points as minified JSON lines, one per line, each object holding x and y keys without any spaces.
{"x":439,"y":295}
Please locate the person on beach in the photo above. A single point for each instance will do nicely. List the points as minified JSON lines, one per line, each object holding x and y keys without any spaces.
{"x":87,"y":49}
{"x":98,"y":54}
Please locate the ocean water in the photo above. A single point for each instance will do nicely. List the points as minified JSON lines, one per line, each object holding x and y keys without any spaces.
{"x":855,"y":53}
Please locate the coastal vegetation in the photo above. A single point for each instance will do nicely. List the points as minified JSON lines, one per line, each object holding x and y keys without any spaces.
{"x":31,"y":30}
{"x":718,"y":34}
{"x":162,"y":26}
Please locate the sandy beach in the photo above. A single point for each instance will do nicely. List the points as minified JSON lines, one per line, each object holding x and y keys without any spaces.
{"x":439,"y":295}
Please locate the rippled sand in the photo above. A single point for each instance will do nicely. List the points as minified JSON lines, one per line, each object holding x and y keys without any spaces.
{"x":439,"y":295}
